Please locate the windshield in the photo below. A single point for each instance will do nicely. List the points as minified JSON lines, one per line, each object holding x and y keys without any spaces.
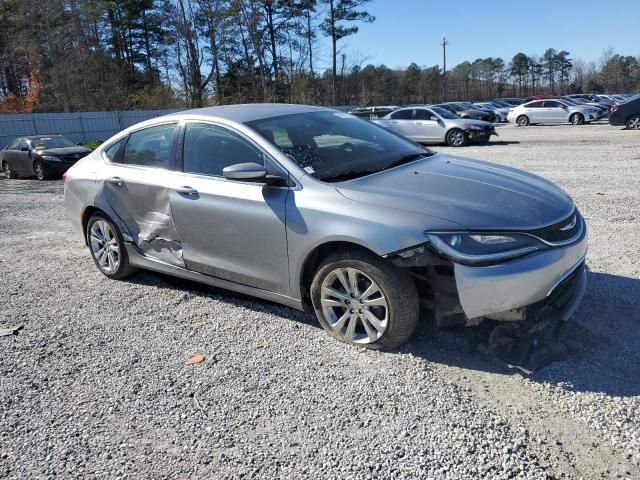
{"x":45,"y":143}
{"x":332,"y":146}
{"x":444,"y":113}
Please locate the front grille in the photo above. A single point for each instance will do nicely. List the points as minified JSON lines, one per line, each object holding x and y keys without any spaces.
{"x":73,"y":157}
{"x":560,"y":231}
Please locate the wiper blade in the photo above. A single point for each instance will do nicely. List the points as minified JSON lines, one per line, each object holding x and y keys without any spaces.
{"x":348,"y":175}
{"x":408,"y":158}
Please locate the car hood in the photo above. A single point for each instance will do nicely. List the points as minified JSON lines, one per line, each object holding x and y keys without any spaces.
{"x":64,"y":151}
{"x":474,"y":194}
{"x":468,"y":123}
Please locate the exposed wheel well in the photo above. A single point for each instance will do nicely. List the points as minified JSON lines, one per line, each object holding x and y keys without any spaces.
{"x":314,"y":259}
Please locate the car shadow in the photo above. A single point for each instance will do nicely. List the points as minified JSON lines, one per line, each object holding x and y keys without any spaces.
{"x":160,"y":280}
{"x":493,"y":143}
{"x":603,"y":341}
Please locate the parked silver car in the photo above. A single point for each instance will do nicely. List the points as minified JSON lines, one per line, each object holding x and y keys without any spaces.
{"x":436,"y":125}
{"x":552,"y":111}
{"x":501,"y":111}
{"x":325,"y":212}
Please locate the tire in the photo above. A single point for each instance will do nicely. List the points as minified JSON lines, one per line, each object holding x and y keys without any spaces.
{"x":522,"y":121}
{"x":633,"y":123}
{"x":7,"y":170}
{"x":577,"y":119}
{"x":456,"y":138}
{"x":41,"y":174}
{"x":383,"y":319}
{"x":117,"y":261}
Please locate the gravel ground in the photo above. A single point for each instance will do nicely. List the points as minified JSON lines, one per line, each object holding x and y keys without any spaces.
{"x":95,"y":384}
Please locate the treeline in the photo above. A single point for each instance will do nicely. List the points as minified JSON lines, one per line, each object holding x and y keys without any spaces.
{"x":83,"y":55}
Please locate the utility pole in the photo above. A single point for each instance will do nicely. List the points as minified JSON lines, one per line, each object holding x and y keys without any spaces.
{"x":444,"y":68}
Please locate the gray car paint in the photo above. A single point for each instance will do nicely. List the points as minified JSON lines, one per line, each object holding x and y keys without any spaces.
{"x":257,"y":239}
{"x":428,"y":131}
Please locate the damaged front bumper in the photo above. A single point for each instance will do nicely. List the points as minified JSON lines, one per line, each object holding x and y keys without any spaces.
{"x":548,"y":282}
{"x":497,"y":289}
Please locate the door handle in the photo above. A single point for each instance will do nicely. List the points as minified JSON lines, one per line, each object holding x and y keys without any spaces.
{"x":187,"y":191}
{"x":418,"y":123}
{"x":115,"y":181}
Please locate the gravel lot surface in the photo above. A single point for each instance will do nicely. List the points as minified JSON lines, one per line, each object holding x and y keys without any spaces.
{"x":95,"y":385}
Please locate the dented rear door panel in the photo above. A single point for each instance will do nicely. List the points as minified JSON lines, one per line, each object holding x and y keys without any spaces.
{"x":139,"y":197}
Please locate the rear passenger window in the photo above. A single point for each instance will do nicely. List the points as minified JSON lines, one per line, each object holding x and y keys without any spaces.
{"x":150,"y":147}
{"x":208,"y":149}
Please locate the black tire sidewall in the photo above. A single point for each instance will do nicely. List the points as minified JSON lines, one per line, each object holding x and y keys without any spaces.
{"x":577,"y":119}
{"x":124,"y":268}
{"x":396,"y":286}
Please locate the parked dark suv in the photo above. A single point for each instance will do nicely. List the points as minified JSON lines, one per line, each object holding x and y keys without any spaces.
{"x":627,"y":114}
{"x":44,"y":156}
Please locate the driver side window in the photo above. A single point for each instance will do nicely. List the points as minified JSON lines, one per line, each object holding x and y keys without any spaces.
{"x":208,"y":149}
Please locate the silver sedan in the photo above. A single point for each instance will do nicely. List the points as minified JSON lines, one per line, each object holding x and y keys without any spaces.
{"x":436,"y":125}
{"x":324,"y":212}
{"x":552,"y":111}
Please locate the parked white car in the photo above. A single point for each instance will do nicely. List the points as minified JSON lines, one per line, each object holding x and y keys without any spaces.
{"x":552,"y":111}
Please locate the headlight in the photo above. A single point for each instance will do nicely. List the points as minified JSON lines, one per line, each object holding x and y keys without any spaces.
{"x":472,"y":248}
{"x":475,"y":127}
{"x":51,"y":159}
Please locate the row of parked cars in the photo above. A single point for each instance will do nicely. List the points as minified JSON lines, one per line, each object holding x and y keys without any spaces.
{"x":457,"y":123}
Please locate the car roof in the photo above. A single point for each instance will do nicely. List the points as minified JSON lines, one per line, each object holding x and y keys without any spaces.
{"x":249,"y":112}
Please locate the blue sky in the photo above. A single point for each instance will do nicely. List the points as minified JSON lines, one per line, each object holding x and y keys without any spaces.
{"x":408,"y":31}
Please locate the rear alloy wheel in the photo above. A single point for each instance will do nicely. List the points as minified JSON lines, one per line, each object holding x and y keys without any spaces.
{"x":7,"y":171}
{"x":40,"y":173}
{"x":107,"y":247}
{"x":577,"y":119}
{"x":634,"y":123}
{"x":522,"y":121}
{"x":456,"y":138}
{"x":364,"y":300}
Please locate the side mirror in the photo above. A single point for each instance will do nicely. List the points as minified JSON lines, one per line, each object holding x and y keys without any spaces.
{"x":79,"y":144}
{"x":251,"y":172}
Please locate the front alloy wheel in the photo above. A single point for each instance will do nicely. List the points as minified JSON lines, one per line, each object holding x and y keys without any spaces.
{"x":522,"y":121}
{"x":362,"y":299}
{"x":39,"y":169}
{"x":354,"y":306}
{"x":456,"y":138}
{"x":577,"y":119}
